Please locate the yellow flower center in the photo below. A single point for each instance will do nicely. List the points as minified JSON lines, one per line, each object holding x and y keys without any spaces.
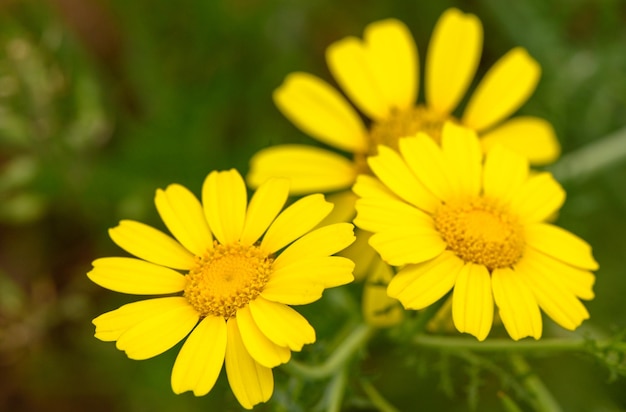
{"x":226,"y":278}
{"x":480,"y":231}
{"x":407,"y":123}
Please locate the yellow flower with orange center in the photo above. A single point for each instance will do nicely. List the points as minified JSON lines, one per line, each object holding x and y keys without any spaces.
{"x":227,"y":285}
{"x":454,"y":219}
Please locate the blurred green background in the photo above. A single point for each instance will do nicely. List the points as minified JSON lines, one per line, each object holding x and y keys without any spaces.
{"x":102,"y":102}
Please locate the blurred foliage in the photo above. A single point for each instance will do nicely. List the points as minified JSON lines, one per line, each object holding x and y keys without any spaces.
{"x":102,"y":102}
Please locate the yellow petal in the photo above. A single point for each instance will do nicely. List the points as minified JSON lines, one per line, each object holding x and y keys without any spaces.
{"x":378,"y":308}
{"x":343,"y":209}
{"x":225,"y":199}
{"x":183,"y":215}
{"x":128,"y":275}
{"x":379,"y":74}
{"x":556,"y":300}
{"x":298,"y":219}
{"x":361,"y":253}
{"x":158,"y":333}
{"x":560,"y":244}
{"x":425,"y":159}
{"x":264,"y":206}
{"x":393,"y":172}
{"x":517,"y":305}
{"x":376,"y":214}
{"x":111,"y":325}
{"x":251,"y":382}
{"x":577,"y":281}
{"x":472,"y":301}
{"x":410,"y":245}
{"x":392,"y":55}
{"x":504,"y":173}
{"x":309,"y":169}
{"x":200,"y":360}
{"x":320,"y":111}
{"x":463,"y":154}
{"x":281,"y":324}
{"x":150,"y":244}
{"x":321,"y":242}
{"x":453,"y":56}
{"x":421,"y":285}
{"x":532,"y":137}
{"x":538,"y":198}
{"x":369,"y":186}
{"x":505,"y":87}
{"x":262,"y":350}
{"x":327,"y":271}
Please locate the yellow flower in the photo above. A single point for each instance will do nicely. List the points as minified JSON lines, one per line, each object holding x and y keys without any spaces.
{"x":455,"y":219}
{"x":380,"y":76}
{"x":233,"y":297}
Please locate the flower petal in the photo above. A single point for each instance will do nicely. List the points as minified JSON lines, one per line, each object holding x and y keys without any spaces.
{"x":343,"y":208}
{"x":532,"y":137}
{"x":538,"y":198}
{"x":318,"y":243}
{"x":393,"y":172}
{"x":504,"y":173}
{"x":517,"y":305}
{"x":560,"y":244}
{"x":251,"y":382}
{"x":262,"y":350}
{"x":281,"y":324}
{"x":552,"y":296}
{"x":505,"y":87}
{"x":158,"y":333}
{"x":463,"y":154}
{"x":320,"y":111}
{"x":421,"y":285}
{"x":111,"y":325}
{"x":453,"y":56}
{"x":225,"y":198}
{"x":379,"y":74}
{"x":425,"y":159}
{"x":265,"y":205}
{"x":378,"y":308}
{"x":377,"y":214}
{"x":128,"y":275}
{"x":298,"y":219}
{"x":361,"y":253}
{"x":200,"y":360}
{"x":151,"y":244}
{"x":410,"y":245}
{"x":472,"y":301}
{"x":309,"y":169}
{"x":183,"y":215}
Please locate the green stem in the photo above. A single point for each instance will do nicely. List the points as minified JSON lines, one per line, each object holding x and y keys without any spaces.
{"x":592,"y":158}
{"x":376,"y":398}
{"x":501,"y":345}
{"x":339,"y":357}
{"x":544,"y":401}
{"x":336,"y":390}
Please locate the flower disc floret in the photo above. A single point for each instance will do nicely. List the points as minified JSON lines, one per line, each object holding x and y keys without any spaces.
{"x":480,"y":231}
{"x":226,"y":278}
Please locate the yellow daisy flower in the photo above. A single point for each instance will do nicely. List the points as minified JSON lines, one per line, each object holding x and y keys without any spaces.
{"x":380,"y":76}
{"x":454,"y":218}
{"x":233,"y":295}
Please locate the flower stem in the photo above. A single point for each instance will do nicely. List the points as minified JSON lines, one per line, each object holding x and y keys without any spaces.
{"x":591,"y":158}
{"x":544,"y":401}
{"x":376,"y":398}
{"x":336,"y":389}
{"x":339,"y":357}
{"x":501,"y":345}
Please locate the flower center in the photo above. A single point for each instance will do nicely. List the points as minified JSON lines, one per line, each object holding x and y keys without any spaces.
{"x":407,"y":123}
{"x":480,"y":231}
{"x":226,"y":278}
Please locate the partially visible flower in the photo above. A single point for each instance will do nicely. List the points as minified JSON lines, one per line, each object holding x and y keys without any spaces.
{"x":233,"y":295}
{"x":452,"y":218}
{"x":380,"y":74}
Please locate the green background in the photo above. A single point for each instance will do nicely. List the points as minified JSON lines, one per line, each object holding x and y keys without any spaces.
{"x":102,"y":102}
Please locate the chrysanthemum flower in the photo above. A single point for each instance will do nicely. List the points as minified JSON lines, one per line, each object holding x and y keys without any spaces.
{"x":233,"y":293}
{"x":380,"y":75}
{"x":452,"y":218}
